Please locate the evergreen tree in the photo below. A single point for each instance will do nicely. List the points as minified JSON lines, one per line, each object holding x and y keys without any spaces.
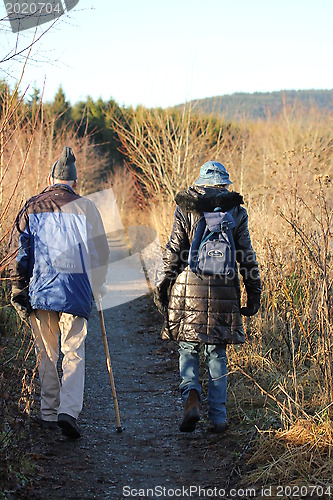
{"x":60,"y":109}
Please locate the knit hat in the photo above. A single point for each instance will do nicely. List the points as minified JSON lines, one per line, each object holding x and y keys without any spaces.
{"x":64,"y":169}
{"x":213,"y":173}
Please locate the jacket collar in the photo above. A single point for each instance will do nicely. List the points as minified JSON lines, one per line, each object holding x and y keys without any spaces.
{"x":201,"y":199}
{"x":56,"y":187}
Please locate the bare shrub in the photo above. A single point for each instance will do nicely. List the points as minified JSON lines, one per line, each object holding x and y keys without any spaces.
{"x":165,"y":149}
{"x":30,"y":143}
{"x":288,"y":359}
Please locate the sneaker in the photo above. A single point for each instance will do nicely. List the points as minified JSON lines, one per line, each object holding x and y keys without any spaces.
{"x":191,"y":413}
{"x":218,"y":428}
{"x":68,"y":426}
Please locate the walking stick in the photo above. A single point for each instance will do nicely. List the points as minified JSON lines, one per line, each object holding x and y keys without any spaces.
{"x":108,"y":363}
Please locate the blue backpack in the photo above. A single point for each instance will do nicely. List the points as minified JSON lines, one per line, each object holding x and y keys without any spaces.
{"x":212,"y":252}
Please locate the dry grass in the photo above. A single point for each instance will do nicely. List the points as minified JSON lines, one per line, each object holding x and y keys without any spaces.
{"x":299,"y":455}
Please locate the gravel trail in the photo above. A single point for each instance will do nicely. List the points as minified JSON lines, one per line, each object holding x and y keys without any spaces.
{"x":150,"y":453}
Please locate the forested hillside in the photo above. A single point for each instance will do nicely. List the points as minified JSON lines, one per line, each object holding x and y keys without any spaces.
{"x":263,"y":105}
{"x":96,"y":118}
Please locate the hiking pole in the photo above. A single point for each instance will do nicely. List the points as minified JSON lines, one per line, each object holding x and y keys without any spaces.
{"x":108,"y":363}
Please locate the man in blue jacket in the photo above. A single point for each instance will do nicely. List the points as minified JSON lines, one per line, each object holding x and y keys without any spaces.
{"x":61,"y":262}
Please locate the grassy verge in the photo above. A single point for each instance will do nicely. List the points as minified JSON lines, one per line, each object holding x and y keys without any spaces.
{"x":17,"y":367}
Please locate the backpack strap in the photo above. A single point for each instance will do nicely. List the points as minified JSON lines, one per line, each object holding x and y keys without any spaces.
{"x":206,"y":237}
{"x":194,"y":249}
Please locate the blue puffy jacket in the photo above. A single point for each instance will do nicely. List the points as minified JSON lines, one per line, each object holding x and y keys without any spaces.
{"x":61,"y":251}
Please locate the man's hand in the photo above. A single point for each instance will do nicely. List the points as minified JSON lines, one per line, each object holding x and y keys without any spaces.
{"x":22,"y":305}
{"x":253,"y":304}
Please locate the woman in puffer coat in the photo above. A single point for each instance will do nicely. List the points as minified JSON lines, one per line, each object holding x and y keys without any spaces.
{"x":206,"y":310}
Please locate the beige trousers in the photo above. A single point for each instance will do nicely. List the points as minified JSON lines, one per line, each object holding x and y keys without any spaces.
{"x":65,"y":396}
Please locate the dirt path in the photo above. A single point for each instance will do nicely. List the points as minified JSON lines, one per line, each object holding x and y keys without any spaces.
{"x":151,"y":452}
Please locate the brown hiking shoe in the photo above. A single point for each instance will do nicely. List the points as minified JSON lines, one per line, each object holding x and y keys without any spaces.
{"x":191,"y":413}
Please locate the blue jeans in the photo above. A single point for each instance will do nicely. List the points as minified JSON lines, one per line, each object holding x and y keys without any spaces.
{"x":216,"y":359}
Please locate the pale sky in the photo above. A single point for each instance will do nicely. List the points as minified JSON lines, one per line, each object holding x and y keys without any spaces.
{"x":162,"y":53}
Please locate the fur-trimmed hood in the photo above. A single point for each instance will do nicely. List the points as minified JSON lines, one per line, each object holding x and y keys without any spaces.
{"x":198,"y":199}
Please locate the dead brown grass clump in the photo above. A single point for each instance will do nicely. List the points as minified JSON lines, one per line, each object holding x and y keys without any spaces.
{"x":301,"y":454}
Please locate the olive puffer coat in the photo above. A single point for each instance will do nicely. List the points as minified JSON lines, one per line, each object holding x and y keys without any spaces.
{"x":206,"y":309}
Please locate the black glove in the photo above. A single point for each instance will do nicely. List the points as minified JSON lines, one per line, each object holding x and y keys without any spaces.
{"x":161,"y":304}
{"x":253,"y":304}
{"x":20,"y":302}
{"x":161,"y":298}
